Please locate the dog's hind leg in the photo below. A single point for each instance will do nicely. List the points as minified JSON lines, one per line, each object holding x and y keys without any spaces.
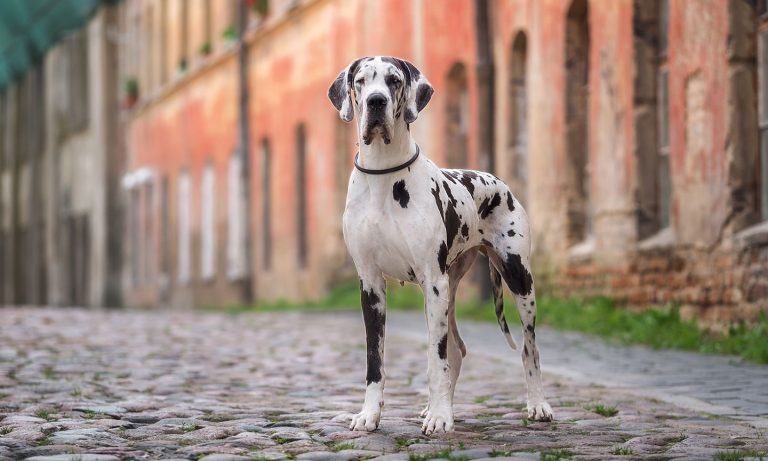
{"x":517,"y":274}
{"x":373,"y":299}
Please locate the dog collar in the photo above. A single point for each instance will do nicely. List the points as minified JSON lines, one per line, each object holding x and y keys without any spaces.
{"x":387,"y":170}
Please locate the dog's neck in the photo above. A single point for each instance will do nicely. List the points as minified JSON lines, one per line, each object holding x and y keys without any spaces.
{"x":380,"y":156}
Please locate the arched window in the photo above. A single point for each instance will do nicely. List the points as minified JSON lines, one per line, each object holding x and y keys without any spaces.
{"x":301,"y":196}
{"x":518,"y":116}
{"x":457,"y":118}
{"x":577,"y":121}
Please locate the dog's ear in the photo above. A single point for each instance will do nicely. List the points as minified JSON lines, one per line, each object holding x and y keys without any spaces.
{"x":340,"y":92}
{"x":418,"y":90}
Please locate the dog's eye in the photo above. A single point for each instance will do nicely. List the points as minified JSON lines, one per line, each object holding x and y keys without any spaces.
{"x":392,"y":80}
{"x":359,"y":81}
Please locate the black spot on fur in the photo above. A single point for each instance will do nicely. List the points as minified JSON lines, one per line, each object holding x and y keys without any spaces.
{"x":511,"y":232}
{"x":516,"y":275}
{"x":449,"y":193}
{"x":486,"y":243}
{"x":400,"y":193}
{"x":487,"y":206}
{"x":438,"y":202}
{"x":510,"y":202}
{"x":450,"y":177}
{"x":452,"y":224}
{"x":442,"y":257}
{"x":374,"y":332}
{"x":466,"y":181}
{"x":525,"y":350}
{"x":465,"y":230}
{"x":437,"y":292}
{"x":442,"y":347}
{"x":411,"y":274}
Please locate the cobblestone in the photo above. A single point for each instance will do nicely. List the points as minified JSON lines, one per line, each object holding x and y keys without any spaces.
{"x":96,"y":385}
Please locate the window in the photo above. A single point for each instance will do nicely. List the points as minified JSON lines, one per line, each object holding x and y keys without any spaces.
{"x":236,"y":225}
{"x":184,"y":224}
{"x":518,"y":116}
{"x":457,"y":118}
{"x":266,"y":204}
{"x":76,"y":75}
{"x":164,"y":228}
{"x":664,"y":183}
{"x":301,"y":199}
{"x":149,"y":233}
{"x":208,"y":223}
{"x":577,"y":122}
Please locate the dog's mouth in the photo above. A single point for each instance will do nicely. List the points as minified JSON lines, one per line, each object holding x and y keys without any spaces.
{"x":376,"y":128}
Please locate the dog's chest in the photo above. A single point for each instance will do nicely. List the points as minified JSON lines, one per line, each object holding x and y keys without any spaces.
{"x":396,"y":226}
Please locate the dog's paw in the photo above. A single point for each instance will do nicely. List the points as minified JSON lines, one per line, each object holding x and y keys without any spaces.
{"x":540,"y":411}
{"x":366,"y":420}
{"x":424,"y":411}
{"x":440,"y":419}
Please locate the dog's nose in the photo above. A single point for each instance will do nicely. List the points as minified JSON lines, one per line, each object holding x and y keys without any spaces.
{"x":376,"y":101}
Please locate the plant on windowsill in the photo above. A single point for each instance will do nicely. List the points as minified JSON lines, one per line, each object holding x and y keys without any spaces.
{"x":205,"y":49}
{"x":229,"y":34}
{"x":131,"y":92}
{"x":183,"y":66}
{"x":260,"y":7}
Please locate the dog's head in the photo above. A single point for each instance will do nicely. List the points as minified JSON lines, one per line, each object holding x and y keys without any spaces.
{"x":383,"y":91}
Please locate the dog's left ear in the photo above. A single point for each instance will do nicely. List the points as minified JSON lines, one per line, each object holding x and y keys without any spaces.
{"x":340,"y":92}
{"x":418,"y":91}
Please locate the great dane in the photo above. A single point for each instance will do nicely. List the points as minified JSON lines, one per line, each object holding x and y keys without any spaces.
{"x":412,"y":221}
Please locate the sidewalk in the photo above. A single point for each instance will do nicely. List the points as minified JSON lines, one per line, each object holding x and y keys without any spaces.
{"x":95,"y":385}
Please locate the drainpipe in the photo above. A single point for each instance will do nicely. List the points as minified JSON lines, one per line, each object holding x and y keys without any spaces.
{"x":485,"y":113}
{"x":244,"y":147}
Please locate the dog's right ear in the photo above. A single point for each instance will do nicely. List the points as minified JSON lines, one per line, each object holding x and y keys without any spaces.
{"x":340,"y":92}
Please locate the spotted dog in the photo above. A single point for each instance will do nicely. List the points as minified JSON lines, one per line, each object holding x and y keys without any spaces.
{"x":410,"y":220}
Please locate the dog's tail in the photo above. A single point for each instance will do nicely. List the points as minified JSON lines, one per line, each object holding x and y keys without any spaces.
{"x":498,"y":300}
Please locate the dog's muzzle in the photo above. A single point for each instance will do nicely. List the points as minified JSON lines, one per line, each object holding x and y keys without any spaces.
{"x":376,"y":119}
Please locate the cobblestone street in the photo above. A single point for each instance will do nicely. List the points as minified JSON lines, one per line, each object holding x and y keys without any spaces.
{"x":94,"y":385}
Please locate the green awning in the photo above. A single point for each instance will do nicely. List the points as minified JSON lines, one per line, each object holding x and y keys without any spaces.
{"x":29,"y":27}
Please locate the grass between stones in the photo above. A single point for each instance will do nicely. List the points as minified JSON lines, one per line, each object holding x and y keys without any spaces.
{"x":603,"y":410}
{"x":554,"y":455}
{"x":739,"y":455}
{"x":657,"y":327}
{"x":444,"y":454}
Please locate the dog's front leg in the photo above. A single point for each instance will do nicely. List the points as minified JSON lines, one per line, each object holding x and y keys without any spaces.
{"x":439,"y":415}
{"x":373,"y":300}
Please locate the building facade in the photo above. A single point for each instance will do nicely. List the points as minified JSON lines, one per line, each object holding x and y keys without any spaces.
{"x":630,"y":129}
{"x":60,"y":170}
{"x":633,"y":131}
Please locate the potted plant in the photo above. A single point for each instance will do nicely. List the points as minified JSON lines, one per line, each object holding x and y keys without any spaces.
{"x":131,"y":92}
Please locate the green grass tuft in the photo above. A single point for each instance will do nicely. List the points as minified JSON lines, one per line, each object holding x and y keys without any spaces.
{"x":554,"y":455}
{"x":443,"y":454}
{"x":623,"y":451}
{"x":603,"y":410}
{"x":739,"y":455}
{"x":338,"y":446}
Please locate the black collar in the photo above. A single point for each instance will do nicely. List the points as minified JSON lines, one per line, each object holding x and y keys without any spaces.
{"x":387,"y":170}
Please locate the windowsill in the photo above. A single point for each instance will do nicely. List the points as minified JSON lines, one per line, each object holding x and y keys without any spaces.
{"x":582,"y":251}
{"x":756,"y":235}
{"x":661,"y":240}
